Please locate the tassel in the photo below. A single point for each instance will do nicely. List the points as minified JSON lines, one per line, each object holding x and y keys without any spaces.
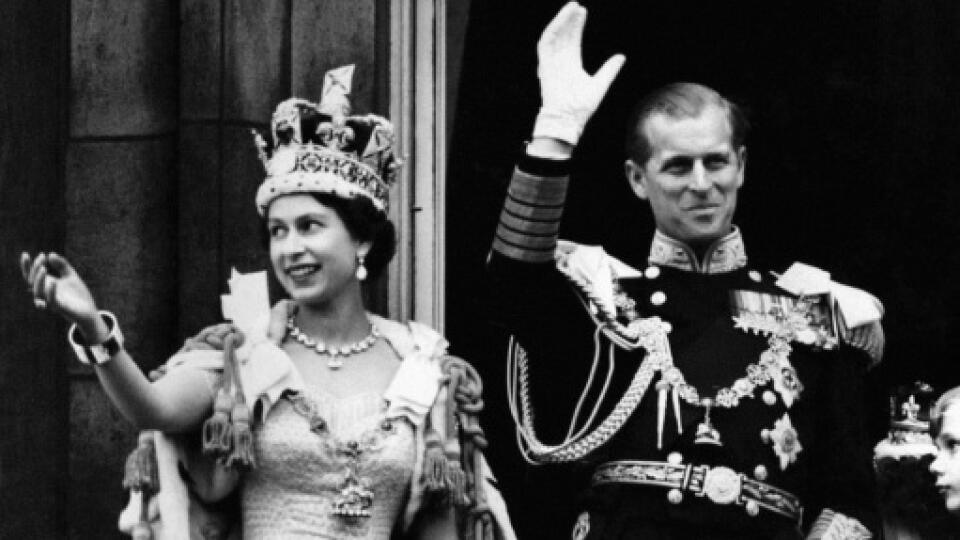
{"x":456,"y":476}
{"x":676,"y":409}
{"x":662,"y":388}
{"x":140,"y":470}
{"x":457,"y":480}
{"x":434,"y":464}
{"x":141,"y":477}
{"x":217,"y":430}
{"x":241,"y":457}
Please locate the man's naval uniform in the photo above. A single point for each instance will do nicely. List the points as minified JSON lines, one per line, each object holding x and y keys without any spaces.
{"x":772,"y":458}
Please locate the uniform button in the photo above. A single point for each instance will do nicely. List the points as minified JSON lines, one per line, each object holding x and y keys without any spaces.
{"x":674,"y":458}
{"x":658,"y":298}
{"x":769,"y":398}
{"x":754,"y":275}
{"x":652,"y":272}
{"x":675,"y":496}
{"x":753,"y":508}
{"x":667,"y":327}
{"x":765,"y":435}
{"x":760,"y":473}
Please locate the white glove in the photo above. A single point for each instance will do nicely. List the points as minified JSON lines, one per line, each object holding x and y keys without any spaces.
{"x":569,"y":95}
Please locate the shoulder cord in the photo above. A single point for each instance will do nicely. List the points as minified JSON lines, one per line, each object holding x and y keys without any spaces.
{"x":652,"y":337}
{"x":603,"y":390}
{"x":649,"y":334}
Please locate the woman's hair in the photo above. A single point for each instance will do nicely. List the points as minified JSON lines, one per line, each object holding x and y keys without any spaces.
{"x":948,"y":399}
{"x":364,"y":223}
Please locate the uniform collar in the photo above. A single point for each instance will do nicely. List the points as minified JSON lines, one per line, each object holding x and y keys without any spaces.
{"x":724,"y":255}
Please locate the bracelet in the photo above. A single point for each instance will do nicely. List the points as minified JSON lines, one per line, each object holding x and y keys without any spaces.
{"x":99,"y":353}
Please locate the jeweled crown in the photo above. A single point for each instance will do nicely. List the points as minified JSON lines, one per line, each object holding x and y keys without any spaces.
{"x":321,"y":147}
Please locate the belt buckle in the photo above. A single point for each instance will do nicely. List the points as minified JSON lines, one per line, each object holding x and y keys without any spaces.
{"x":722,"y":485}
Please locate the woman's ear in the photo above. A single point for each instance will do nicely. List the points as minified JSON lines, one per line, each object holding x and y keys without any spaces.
{"x":363,"y":248}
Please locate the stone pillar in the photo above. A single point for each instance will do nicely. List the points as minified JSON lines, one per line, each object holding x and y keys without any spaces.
{"x":121,"y":221}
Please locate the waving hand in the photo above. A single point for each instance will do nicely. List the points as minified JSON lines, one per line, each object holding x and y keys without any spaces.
{"x":570,"y":95}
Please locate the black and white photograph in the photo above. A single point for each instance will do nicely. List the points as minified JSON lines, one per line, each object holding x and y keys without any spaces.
{"x":479,"y":270}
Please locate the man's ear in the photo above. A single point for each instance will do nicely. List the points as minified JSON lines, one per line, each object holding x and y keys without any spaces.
{"x":742,"y":161}
{"x":636,"y":178}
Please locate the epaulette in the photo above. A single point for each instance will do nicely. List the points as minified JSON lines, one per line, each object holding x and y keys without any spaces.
{"x":857,"y":313}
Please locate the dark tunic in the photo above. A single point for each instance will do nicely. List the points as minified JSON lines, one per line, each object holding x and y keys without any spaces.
{"x":832,"y":470}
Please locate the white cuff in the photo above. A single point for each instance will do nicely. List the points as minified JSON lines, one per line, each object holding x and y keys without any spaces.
{"x":557,"y":125}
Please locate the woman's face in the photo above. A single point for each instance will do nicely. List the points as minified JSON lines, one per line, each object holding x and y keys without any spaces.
{"x":946,"y":467}
{"x":312,"y":253}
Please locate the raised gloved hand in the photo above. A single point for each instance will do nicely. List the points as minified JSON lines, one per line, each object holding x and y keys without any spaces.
{"x":569,"y":95}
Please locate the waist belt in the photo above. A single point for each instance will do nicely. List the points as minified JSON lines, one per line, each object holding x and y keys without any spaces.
{"x":721,"y":485}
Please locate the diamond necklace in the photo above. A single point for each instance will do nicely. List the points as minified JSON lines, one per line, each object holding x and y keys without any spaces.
{"x":337,"y":354}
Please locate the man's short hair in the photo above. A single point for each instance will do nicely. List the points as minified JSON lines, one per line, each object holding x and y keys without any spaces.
{"x":949,"y":399}
{"x":679,"y":100}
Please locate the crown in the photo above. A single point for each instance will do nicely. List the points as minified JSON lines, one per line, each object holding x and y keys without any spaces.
{"x":321,"y":148}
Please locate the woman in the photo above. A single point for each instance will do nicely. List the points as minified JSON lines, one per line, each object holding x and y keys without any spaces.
{"x":338,"y":422}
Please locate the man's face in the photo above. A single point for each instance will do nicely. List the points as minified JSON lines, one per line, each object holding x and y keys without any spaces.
{"x":946,"y":467}
{"x":692,"y":176}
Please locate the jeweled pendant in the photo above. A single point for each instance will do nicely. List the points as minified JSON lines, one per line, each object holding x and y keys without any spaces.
{"x":354,"y":500}
{"x":706,"y":433}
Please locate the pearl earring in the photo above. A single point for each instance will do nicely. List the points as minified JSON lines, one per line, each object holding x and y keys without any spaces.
{"x":361,"y":269}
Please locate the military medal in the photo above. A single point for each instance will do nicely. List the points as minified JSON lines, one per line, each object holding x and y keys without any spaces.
{"x":772,"y":367}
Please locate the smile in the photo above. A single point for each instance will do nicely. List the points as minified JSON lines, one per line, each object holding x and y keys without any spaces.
{"x":302,"y":270}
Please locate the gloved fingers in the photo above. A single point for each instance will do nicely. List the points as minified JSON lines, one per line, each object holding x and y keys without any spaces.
{"x":49,"y":291}
{"x":25,"y":264}
{"x":604,"y":76}
{"x":566,"y":28}
{"x":39,"y":280}
{"x":38,"y":263}
{"x":59,"y":265}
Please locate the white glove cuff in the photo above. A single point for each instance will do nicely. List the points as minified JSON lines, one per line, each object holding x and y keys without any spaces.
{"x":557,"y":125}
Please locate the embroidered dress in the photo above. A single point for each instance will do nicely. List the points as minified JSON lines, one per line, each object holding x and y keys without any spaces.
{"x":334,"y":468}
{"x":300,"y":473}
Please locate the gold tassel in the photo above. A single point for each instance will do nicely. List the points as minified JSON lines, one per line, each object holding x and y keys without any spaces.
{"x":217,"y":430}
{"x":140,"y":471}
{"x":141,"y":477}
{"x":456,"y":477}
{"x":457,"y":480}
{"x":241,"y":457}
{"x":434,"y":463}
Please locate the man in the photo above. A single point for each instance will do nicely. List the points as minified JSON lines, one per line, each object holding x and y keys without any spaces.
{"x":714,"y":402}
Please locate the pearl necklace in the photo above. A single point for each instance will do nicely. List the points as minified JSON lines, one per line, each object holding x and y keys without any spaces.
{"x":337,"y":354}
